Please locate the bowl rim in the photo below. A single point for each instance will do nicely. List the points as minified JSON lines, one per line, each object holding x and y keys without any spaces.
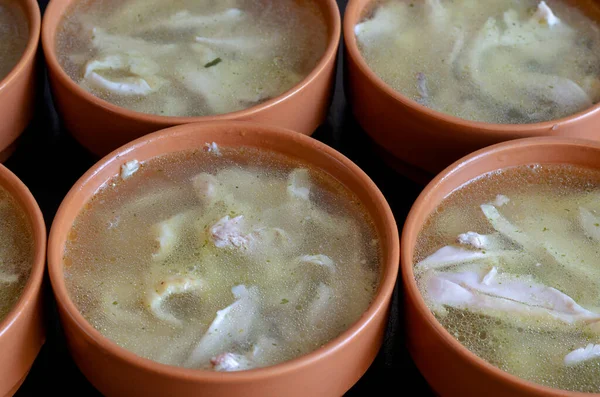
{"x":53,"y":19}
{"x":24,"y":198}
{"x":390,"y":263}
{"x":32,"y":12}
{"x":412,"y":228}
{"x":356,"y":10}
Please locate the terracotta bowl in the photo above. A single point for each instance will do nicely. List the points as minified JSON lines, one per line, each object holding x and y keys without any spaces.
{"x":18,"y":88}
{"x":448,"y":366}
{"x":425,"y":139}
{"x":102,"y":127}
{"x":22,"y":332}
{"x":329,"y":371}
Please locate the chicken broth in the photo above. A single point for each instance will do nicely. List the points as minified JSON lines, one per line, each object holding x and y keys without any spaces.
{"x":14,"y":34}
{"x":509,"y":266}
{"x":191,"y":57}
{"x":16,"y":252}
{"x":225,"y":259}
{"x":495,"y":61}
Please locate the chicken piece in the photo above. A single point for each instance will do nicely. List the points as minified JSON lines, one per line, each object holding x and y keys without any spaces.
{"x":139,"y":74}
{"x":500,"y":295}
{"x":230,"y":327}
{"x":167,"y":235}
{"x":166,"y":288}
{"x":229,"y":362}
{"x":299,"y":184}
{"x":129,"y":168}
{"x":450,"y":255}
{"x":184,"y":19}
{"x":206,"y":187}
{"x":583,"y":354}
{"x":500,"y":200}
{"x":319,"y":260}
{"x":544,"y":14}
{"x":590,"y":223}
{"x":320,"y":306}
{"x":473,"y":239}
{"x":384,"y":22}
{"x":226,"y":233}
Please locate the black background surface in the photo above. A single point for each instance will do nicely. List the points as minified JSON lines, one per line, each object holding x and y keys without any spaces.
{"x":49,"y":161}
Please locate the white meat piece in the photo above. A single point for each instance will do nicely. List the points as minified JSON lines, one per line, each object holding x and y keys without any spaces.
{"x":230,"y":327}
{"x":544,"y":14}
{"x":501,"y":200}
{"x":320,"y":260}
{"x":164,"y":289}
{"x":186,"y":20}
{"x":226,"y":233}
{"x":205,"y":186}
{"x":436,"y":14}
{"x":229,"y":362}
{"x":319,"y":307}
{"x":141,"y":73}
{"x":299,"y":184}
{"x":167,"y":234}
{"x":590,"y":223}
{"x":129,"y":168}
{"x":212,"y":148}
{"x":255,"y":45}
{"x":492,"y":293}
{"x":384,"y":22}
{"x":8,"y":278}
{"x":112,"y":43}
{"x":450,"y":255}
{"x":473,"y":239}
{"x":578,"y":356}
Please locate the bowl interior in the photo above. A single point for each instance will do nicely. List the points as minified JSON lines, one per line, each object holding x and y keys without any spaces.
{"x":545,"y":150}
{"x":233,"y":134}
{"x":359,"y":9}
{"x":25,"y":199}
{"x":56,"y":11}
{"x":32,"y":13}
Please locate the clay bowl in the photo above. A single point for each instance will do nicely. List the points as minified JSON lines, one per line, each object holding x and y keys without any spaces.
{"x":22,"y":331}
{"x":423,"y":140}
{"x":102,"y":127}
{"x":328,"y":371}
{"x":17,"y":89}
{"x":448,"y":366}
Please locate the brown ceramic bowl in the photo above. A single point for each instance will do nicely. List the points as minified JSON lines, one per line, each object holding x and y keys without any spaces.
{"x":102,"y":127}
{"x":22,"y":332}
{"x":425,"y":139}
{"x":17,"y":89}
{"x":329,"y":371}
{"x":448,"y":366}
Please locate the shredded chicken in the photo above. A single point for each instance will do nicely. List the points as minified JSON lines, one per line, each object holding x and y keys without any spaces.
{"x":166,"y":288}
{"x":226,"y":233}
{"x":129,"y":168}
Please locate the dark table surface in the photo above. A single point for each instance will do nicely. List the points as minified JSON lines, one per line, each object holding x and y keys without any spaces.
{"x":63,"y":161}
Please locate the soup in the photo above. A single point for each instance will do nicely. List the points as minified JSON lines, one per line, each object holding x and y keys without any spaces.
{"x":494,"y":61}
{"x":16,"y":251}
{"x":509,"y":266}
{"x":224,"y":259}
{"x":189,"y":57}
{"x":14,"y":34}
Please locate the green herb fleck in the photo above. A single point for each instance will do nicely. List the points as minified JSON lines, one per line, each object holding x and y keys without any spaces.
{"x":597,"y":224}
{"x":115,"y":303}
{"x":284,"y":301}
{"x":545,"y":229}
{"x":214,"y":62}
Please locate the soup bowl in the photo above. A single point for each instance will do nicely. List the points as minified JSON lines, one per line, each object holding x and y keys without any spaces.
{"x":423,"y":141}
{"x":328,"y":371}
{"x":22,"y":331}
{"x":102,"y":127}
{"x":449,"y":367}
{"x":18,"y":88}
